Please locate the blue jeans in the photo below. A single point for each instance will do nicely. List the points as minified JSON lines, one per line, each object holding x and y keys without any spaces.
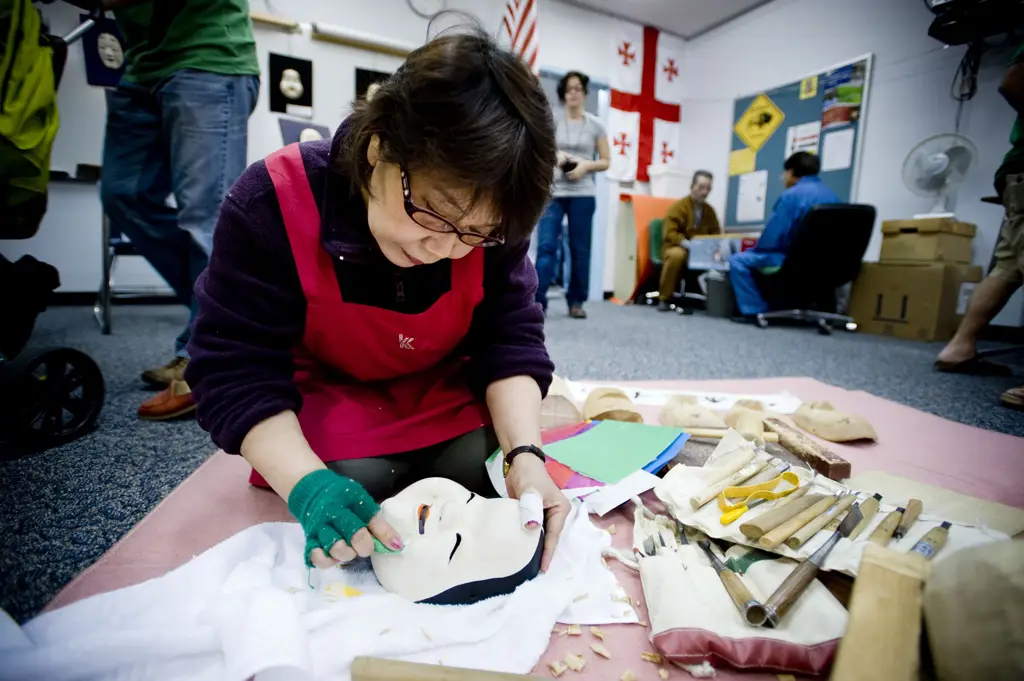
{"x":184,"y":136}
{"x":744,"y":286}
{"x":580,"y":211}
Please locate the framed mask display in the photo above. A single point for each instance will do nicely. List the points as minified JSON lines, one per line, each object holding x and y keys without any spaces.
{"x":460,"y":548}
{"x":103,"y":47}
{"x":290,"y":84}
{"x":301,"y":131}
{"x":366,"y":79}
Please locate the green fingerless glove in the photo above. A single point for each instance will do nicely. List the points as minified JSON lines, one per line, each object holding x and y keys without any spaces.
{"x":330,"y":507}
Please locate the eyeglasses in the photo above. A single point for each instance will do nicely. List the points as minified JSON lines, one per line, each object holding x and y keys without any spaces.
{"x":435,"y":223}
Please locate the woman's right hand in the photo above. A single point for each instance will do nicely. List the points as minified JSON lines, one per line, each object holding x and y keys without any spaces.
{"x":339,"y":517}
{"x":561,"y":158}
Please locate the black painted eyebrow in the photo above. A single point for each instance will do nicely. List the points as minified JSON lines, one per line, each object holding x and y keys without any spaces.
{"x":458,"y":540}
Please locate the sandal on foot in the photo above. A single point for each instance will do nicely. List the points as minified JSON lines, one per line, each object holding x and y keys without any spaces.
{"x":1013,"y":398}
{"x":975,"y":366}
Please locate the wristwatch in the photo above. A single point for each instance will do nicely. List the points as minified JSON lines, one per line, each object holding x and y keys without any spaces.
{"x":532,"y":449}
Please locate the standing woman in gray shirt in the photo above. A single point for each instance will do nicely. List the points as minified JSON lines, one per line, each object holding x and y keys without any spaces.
{"x":582,"y":150}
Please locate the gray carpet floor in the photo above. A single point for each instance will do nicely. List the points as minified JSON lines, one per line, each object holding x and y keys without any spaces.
{"x":62,"y":509}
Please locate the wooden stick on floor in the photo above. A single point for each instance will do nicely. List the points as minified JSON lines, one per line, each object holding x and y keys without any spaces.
{"x":883,"y":638}
{"x":380,"y":669}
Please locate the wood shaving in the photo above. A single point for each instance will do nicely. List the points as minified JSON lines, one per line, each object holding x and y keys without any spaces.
{"x":627,"y":613}
{"x":559,"y":630}
{"x":642,"y":623}
{"x":612,"y":529}
{"x":650,"y":657}
{"x":580,"y":598}
{"x":426,"y":635}
{"x":604,"y":563}
{"x":663,"y":673}
{"x":574,"y":662}
{"x":601,"y":650}
{"x":574,"y":630}
{"x":627,"y":675}
{"x":557,"y":668}
{"x":623,"y":598}
{"x":596,"y":631}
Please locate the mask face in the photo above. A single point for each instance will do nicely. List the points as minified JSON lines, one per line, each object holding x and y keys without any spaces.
{"x":110,"y":51}
{"x":459,"y":547}
{"x":310,"y":135}
{"x":291,"y":84}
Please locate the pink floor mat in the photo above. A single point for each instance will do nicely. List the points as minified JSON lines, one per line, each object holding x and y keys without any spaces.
{"x":216,"y":501}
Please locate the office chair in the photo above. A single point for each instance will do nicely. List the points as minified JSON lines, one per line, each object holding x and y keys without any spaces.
{"x":827,"y":249}
{"x":655,"y":231}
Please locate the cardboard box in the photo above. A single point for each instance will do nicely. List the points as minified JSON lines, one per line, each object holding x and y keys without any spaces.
{"x":916,"y":302}
{"x":927,"y":240}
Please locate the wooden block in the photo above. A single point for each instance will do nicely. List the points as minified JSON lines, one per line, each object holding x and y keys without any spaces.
{"x":882,"y":640}
{"x":821,"y":459}
{"x":379,"y":669}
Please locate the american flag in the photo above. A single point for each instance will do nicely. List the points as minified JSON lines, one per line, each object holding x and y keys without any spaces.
{"x":520,"y":25}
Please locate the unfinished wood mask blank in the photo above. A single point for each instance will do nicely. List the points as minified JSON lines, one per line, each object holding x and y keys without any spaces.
{"x":610,"y":404}
{"x":823,"y":420}
{"x":684,"y":411}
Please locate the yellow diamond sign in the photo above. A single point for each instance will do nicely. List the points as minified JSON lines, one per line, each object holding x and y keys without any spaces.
{"x":759,"y":122}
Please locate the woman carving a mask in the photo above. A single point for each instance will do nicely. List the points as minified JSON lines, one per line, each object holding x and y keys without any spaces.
{"x":368,"y":320}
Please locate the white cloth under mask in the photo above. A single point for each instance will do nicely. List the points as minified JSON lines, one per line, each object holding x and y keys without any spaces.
{"x":243,"y":608}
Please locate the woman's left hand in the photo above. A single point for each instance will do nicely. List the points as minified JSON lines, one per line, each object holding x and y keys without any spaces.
{"x":528,"y":472}
{"x":579,"y":172}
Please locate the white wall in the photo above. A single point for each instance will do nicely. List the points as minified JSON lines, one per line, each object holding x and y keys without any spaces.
{"x":69,"y":238}
{"x":909,"y":99}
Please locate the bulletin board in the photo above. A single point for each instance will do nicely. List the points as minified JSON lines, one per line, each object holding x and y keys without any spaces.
{"x":823,"y":113}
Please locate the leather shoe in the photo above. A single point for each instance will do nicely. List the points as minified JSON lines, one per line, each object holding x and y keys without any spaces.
{"x":663,"y":306}
{"x":162,"y":376}
{"x":173,"y":401}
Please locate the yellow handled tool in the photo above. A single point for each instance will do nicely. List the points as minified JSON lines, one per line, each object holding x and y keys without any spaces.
{"x":754,"y":495}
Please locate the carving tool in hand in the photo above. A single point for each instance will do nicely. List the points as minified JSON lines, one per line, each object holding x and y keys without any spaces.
{"x":752,"y":610}
{"x":800,"y":537}
{"x":883,"y":533}
{"x":712,"y":491}
{"x":789,"y":591}
{"x":914,"y":508}
{"x":930,"y":544}
{"x":869,"y":508}
{"x":784,"y":531}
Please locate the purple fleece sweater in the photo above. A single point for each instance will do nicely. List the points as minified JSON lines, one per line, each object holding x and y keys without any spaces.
{"x":252,"y":310}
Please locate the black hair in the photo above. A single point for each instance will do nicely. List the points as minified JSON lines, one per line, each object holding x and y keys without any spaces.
{"x":472,"y":592}
{"x":563,"y":83}
{"x":469,"y":112}
{"x":702,"y":173}
{"x":803,"y":164}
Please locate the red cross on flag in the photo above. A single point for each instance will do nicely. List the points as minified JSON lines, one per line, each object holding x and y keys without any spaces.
{"x":643,"y":126}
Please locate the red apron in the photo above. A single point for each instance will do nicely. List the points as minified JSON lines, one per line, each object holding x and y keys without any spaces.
{"x":373,"y":381}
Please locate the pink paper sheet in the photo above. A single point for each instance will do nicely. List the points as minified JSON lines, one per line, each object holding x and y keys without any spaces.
{"x":216,"y":502}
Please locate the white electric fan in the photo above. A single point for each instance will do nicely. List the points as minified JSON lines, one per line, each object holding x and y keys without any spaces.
{"x":936,"y":166}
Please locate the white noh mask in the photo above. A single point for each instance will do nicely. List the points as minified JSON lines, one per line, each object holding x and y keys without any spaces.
{"x":310,"y":135}
{"x":291,"y":84}
{"x":110,"y":51}
{"x":459,"y":547}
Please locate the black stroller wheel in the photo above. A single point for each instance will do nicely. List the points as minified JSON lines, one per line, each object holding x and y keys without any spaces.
{"x":54,"y":396}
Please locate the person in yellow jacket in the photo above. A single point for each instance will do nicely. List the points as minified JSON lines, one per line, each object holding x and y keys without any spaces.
{"x":687,"y":218}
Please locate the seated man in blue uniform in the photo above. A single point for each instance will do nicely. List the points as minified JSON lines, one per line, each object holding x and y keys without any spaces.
{"x":804,"y":189}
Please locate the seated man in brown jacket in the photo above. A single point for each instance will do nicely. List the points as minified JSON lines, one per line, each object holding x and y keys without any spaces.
{"x":687,"y":218}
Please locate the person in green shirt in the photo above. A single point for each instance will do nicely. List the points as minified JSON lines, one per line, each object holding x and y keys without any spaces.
{"x":177,"y":126}
{"x":1007,"y":272}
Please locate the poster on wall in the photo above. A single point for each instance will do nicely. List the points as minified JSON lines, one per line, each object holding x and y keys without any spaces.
{"x":365,"y":78}
{"x":803,"y":137}
{"x":103,"y":47}
{"x":753,"y":190}
{"x":844,"y":93}
{"x":302,"y":131}
{"x":291,"y":85}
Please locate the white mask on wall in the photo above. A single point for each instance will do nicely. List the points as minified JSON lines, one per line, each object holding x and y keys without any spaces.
{"x":291,"y":84}
{"x":459,"y":548}
{"x":110,"y":51}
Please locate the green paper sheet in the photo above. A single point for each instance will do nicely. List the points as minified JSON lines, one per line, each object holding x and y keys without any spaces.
{"x":612,"y":450}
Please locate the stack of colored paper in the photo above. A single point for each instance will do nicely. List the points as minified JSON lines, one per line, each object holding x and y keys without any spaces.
{"x":598,"y":453}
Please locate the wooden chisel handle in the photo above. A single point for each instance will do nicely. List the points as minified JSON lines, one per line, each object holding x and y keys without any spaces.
{"x":800,"y":537}
{"x":712,"y":491}
{"x":883,"y":533}
{"x":914,"y":507}
{"x":753,"y":612}
{"x":790,"y":589}
{"x":784,"y":531}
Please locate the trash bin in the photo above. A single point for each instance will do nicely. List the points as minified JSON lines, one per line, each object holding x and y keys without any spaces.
{"x":721,"y":302}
